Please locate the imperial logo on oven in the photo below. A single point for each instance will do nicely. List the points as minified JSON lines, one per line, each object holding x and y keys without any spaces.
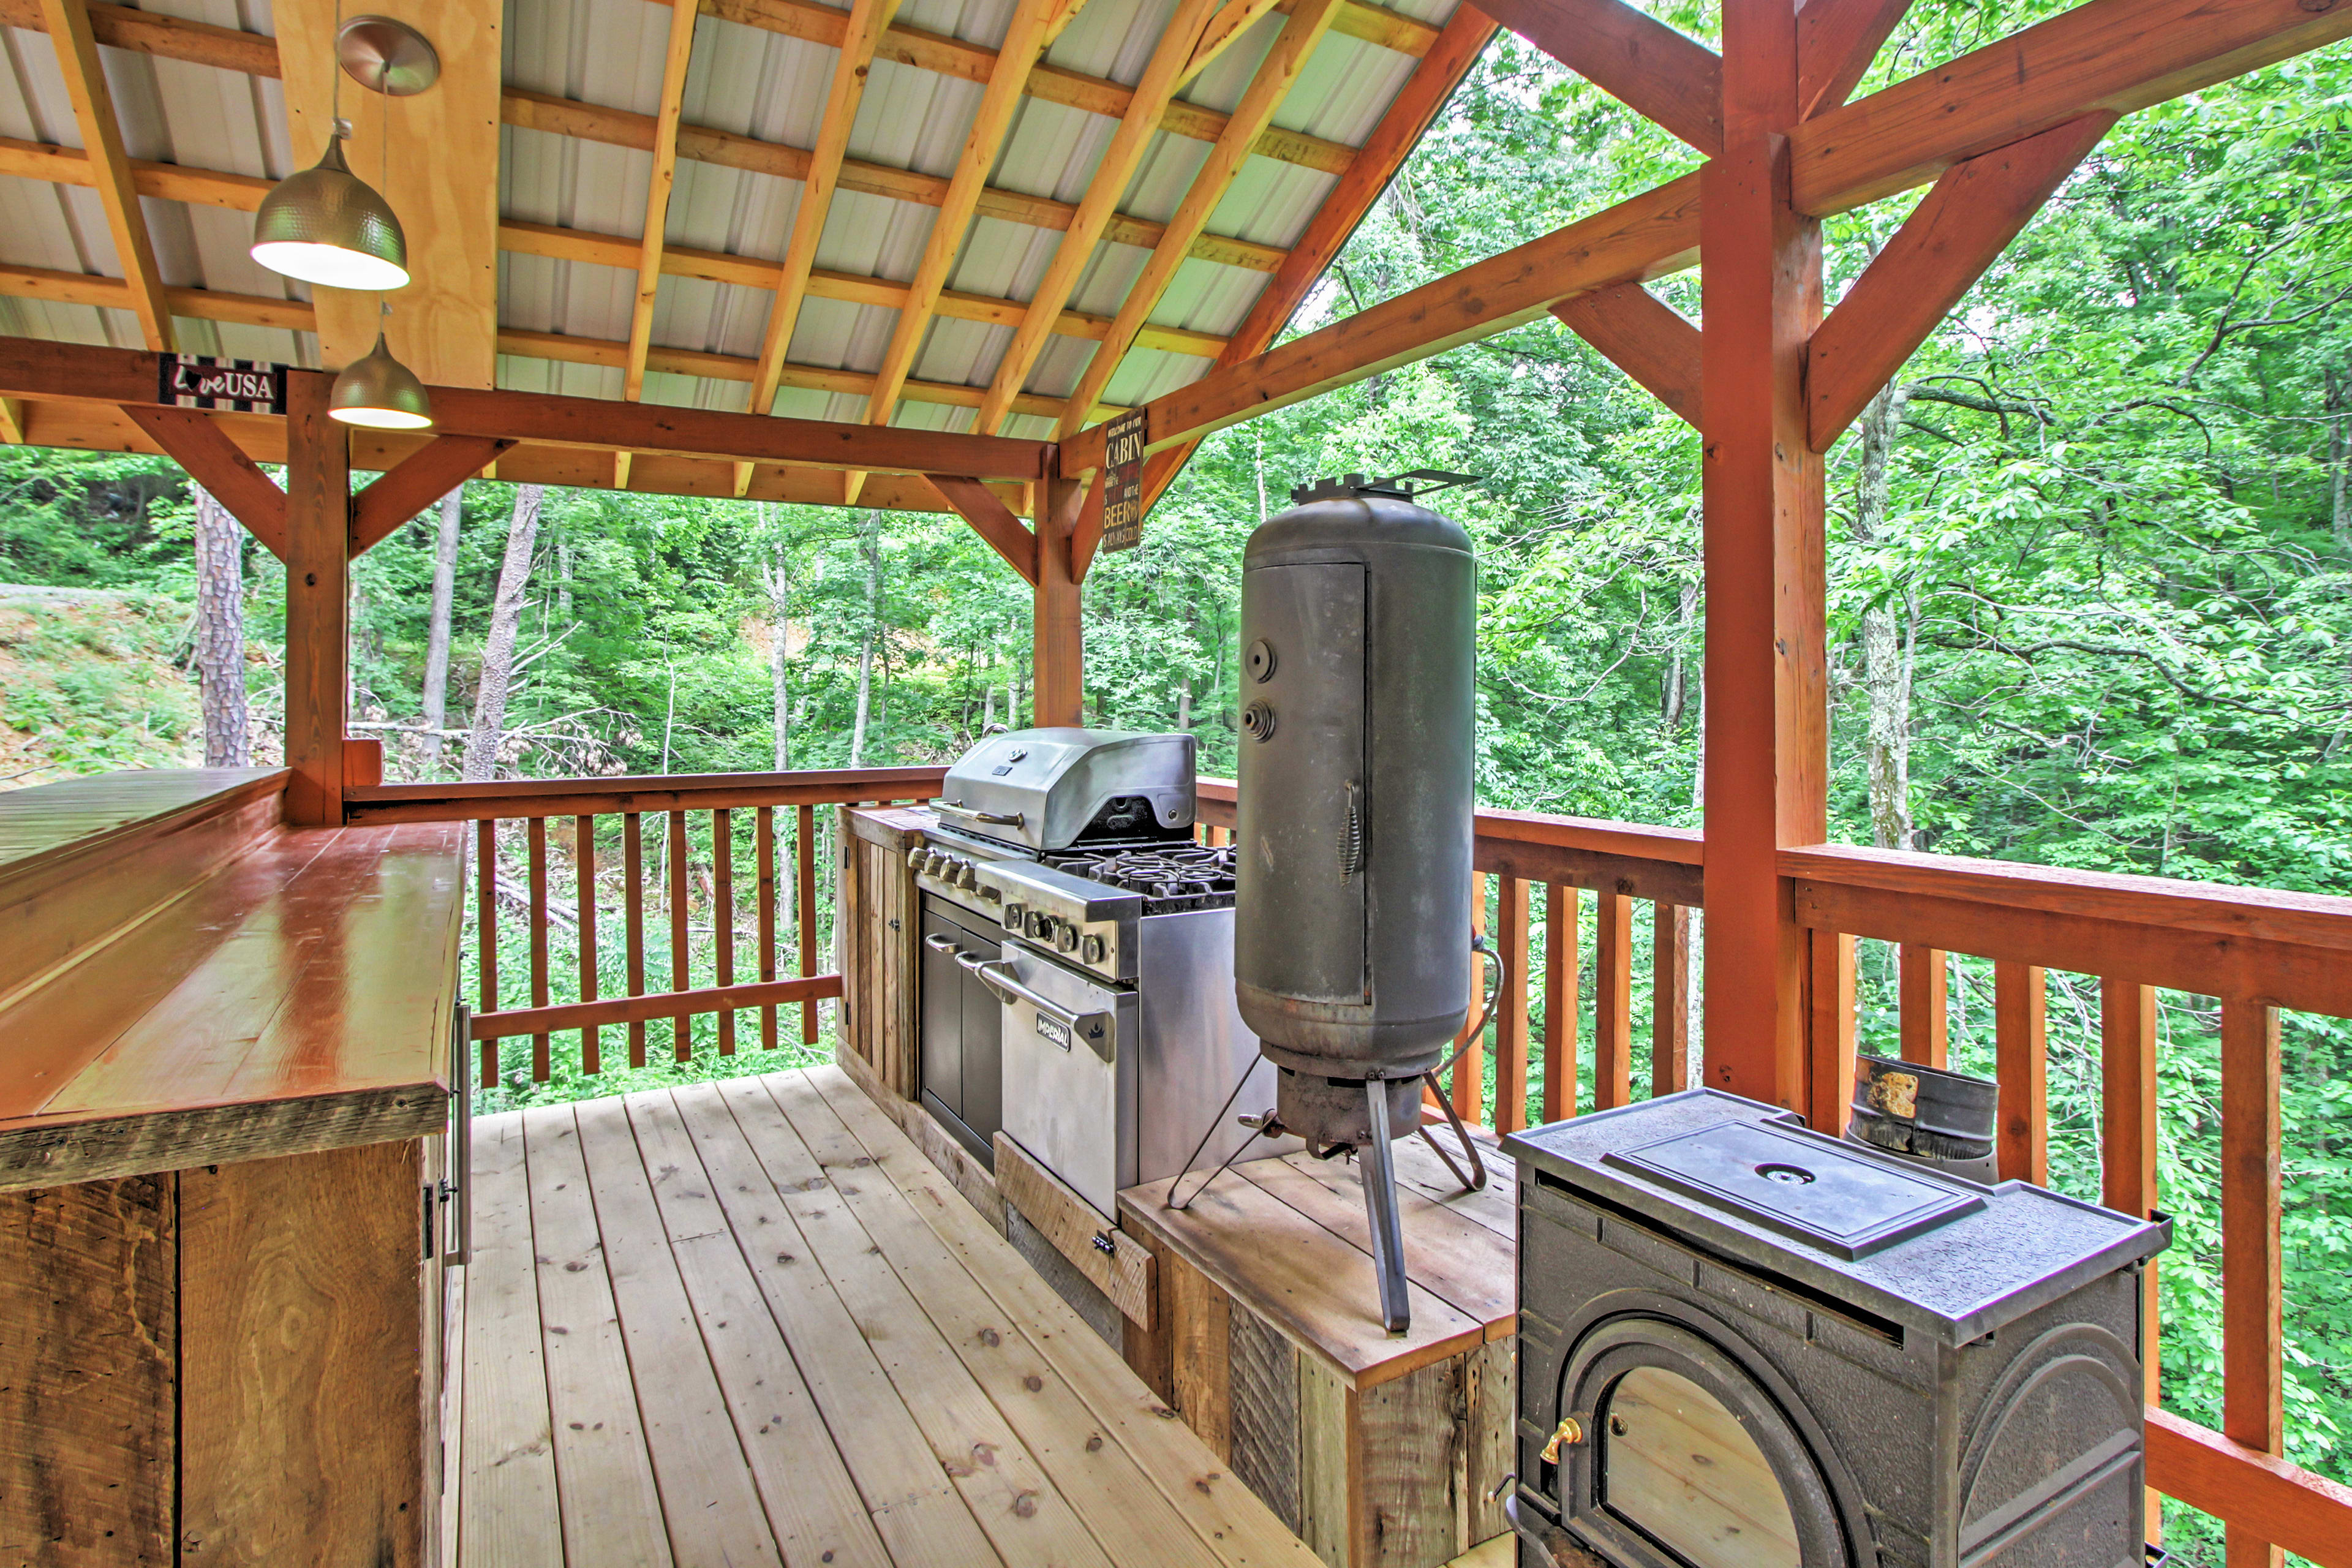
{"x":200,"y":380}
{"x":1057,"y":1032}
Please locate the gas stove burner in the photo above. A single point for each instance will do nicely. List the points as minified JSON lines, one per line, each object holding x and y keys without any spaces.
{"x":1175,"y":879}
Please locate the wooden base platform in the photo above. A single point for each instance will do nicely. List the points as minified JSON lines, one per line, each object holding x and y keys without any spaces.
{"x":748,"y":1322}
{"x":1379,"y":1450}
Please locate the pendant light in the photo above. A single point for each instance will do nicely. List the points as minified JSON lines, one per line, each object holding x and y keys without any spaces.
{"x":325,"y":225}
{"x":380,"y":393}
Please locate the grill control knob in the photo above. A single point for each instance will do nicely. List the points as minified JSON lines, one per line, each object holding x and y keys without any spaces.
{"x":991,"y":894}
{"x":1067,"y":938}
{"x":1041,"y":927}
{"x":1012,"y":917}
{"x":1096,"y":947}
{"x":915,"y":857}
{"x":965,"y":876}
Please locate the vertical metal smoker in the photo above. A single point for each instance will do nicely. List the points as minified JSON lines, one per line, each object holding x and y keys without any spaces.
{"x":1352,"y":914}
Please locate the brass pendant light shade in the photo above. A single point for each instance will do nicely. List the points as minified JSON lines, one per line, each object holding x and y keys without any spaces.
{"x":380,"y":393}
{"x":328,"y":225}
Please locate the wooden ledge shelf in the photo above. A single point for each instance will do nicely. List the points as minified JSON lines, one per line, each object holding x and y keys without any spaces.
{"x":1268,"y":1342}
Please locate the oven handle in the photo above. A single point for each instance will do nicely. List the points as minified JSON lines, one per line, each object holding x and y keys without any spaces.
{"x":998,"y":818}
{"x":941,"y":944}
{"x":1099,"y":1029}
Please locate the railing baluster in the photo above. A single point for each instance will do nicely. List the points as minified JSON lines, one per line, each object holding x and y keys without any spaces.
{"x":1612,"y":1000}
{"x":485,"y":922}
{"x":2021,"y":1052}
{"x":633,"y":872}
{"x":1669,"y":999}
{"x":1833,"y":1027}
{"x":2128,"y":1152}
{"x":681,"y":1028}
{"x":2253,"y":1408}
{"x":722,"y":913}
{"x":1511,"y":1009}
{"x":1926,"y":1011}
{"x":536,"y":831}
{"x":805,"y":855}
{"x":1562,"y":968}
{"x":764,"y":831}
{"x":1470,"y":1072}
{"x":583,"y":853}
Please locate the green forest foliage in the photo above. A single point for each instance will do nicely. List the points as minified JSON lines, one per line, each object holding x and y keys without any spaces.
{"x":2113,"y":546}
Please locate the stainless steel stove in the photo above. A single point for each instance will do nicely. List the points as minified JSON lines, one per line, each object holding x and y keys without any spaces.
{"x":1100,"y":943}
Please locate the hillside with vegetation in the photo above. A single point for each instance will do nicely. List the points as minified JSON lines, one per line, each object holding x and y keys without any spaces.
{"x":2090,"y":578}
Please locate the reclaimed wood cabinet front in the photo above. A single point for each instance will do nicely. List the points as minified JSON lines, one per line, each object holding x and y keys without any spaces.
{"x":876,"y":927}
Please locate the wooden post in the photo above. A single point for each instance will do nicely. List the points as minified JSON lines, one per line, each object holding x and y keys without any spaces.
{"x":1830,"y":1092}
{"x":1669,"y":1000}
{"x":2253,"y":1408}
{"x":1469,"y":1084}
{"x":1924,"y":1019}
{"x":1560,"y":1001}
{"x":1059,"y":682}
{"x":1511,"y":1010}
{"x":1766,"y":748}
{"x":318,"y":597}
{"x":1612,"y":1000}
{"x":2022,"y":1041}
{"x":2127,"y":1151}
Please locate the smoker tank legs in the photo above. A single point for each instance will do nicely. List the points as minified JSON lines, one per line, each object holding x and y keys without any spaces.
{"x":1380,"y":1210}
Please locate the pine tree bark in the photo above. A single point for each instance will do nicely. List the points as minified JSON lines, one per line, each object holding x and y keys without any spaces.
{"x":499,"y":648}
{"x":220,"y":631}
{"x":780,"y":604}
{"x":1886,"y":658}
{"x":437,"y":636}
{"x":869,"y":545}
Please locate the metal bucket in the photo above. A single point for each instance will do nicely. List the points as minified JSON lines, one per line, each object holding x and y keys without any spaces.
{"x":1933,"y":1115}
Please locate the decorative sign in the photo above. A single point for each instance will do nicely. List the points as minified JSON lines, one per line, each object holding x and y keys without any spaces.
{"x":241,"y":385}
{"x":1123,"y":480}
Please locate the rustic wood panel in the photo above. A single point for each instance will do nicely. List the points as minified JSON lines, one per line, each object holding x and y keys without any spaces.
{"x":1263,"y":1384}
{"x":1327,"y":1411}
{"x":300,"y":1360}
{"x":88,"y":1334}
{"x":1405,"y":1473}
{"x":1067,"y":1221}
{"x":1199,"y":1330}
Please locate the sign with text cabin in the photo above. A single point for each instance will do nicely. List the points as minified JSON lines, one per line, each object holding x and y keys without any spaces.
{"x":240,"y":386}
{"x":1122,"y":518}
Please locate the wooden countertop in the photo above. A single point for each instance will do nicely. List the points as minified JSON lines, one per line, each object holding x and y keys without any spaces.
{"x":269,"y":991}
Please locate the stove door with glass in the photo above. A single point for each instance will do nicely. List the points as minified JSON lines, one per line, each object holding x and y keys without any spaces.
{"x":962,"y":1072}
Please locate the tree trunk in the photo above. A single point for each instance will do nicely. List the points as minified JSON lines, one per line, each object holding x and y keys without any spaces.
{"x":1885,"y":663}
{"x":869,"y":545}
{"x":1677,"y":692}
{"x":220,"y":631}
{"x":437,"y":636}
{"x":1184,"y":707}
{"x":2340,"y":463}
{"x":499,"y":648}
{"x":780,"y":607}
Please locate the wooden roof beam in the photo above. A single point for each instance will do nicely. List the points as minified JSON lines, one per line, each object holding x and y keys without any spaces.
{"x":1232,"y":19}
{"x":2108,"y":55}
{"x":1647,"y":66}
{"x":1160,"y":79}
{"x":1643,"y":336}
{"x":191,"y":438}
{"x":1023,"y":42}
{"x":867,"y":19}
{"x":102,"y":137}
{"x":992,"y":520}
{"x":1836,"y":42}
{"x":1392,"y":141}
{"x":1950,"y":237}
{"x":663,"y":179}
{"x":1308,"y":22}
{"x":12,"y":421}
{"x":418,"y":480}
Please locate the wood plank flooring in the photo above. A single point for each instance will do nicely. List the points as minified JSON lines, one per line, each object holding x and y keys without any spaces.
{"x":748,"y":1323}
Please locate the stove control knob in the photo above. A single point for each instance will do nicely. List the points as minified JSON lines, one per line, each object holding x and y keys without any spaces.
{"x":915,"y":857}
{"x":1012,"y":917}
{"x":1095,"y":948}
{"x":991,"y":895}
{"x":1067,"y":938}
{"x":965,"y":877}
{"x":1041,"y":927}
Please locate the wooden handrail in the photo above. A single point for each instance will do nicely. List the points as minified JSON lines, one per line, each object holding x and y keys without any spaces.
{"x":514,"y":798}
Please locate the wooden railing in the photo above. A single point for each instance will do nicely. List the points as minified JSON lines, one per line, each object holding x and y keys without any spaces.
{"x":608,"y":815}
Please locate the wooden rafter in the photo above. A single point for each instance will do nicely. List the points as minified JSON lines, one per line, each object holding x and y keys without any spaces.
{"x":194,"y":441}
{"x":1631,"y":56}
{"x":867,"y":18}
{"x":1643,"y":336}
{"x":1383,"y":154}
{"x":101,"y":135}
{"x":1108,"y":184}
{"x":1309,"y":20}
{"x":992,"y":520}
{"x":658,"y":186}
{"x":1946,"y":244}
{"x":12,"y":421}
{"x":1232,"y":19}
{"x":1836,"y":42}
{"x":1024,"y":40}
{"x":423,"y":478}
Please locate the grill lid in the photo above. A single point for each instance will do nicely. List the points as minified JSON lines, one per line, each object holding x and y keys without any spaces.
{"x":1043,"y":789}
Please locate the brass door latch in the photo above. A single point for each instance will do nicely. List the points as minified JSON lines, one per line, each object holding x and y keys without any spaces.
{"x":1569,"y":1430}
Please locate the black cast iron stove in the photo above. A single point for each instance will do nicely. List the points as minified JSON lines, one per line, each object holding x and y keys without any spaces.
{"x":1743,"y":1345}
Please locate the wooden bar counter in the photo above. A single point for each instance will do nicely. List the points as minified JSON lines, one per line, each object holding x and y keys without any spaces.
{"x":224,"y":1087}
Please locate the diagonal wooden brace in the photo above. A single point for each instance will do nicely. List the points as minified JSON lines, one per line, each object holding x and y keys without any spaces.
{"x":1643,"y":337}
{"x":1632,"y":57}
{"x":992,"y":520}
{"x":190,"y":439}
{"x":415,"y":483}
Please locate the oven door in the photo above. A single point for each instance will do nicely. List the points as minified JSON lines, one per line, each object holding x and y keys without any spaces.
{"x":1069,"y":1050}
{"x":961,"y":1077}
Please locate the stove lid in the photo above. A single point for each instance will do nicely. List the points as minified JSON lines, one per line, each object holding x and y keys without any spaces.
{"x":1043,"y":789}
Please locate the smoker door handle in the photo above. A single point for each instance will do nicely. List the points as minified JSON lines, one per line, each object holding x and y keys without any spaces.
{"x":1099,"y":1029}
{"x":999,"y":818}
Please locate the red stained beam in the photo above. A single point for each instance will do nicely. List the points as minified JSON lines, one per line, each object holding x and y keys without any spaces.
{"x":2309,"y":1515}
{"x":509,"y":1022}
{"x":422,"y":477}
{"x":1631,"y":56}
{"x":1643,"y":337}
{"x":1836,"y":42}
{"x":190,"y":439}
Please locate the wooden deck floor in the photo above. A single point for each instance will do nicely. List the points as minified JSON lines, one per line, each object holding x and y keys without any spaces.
{"x":748,"y":1322}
